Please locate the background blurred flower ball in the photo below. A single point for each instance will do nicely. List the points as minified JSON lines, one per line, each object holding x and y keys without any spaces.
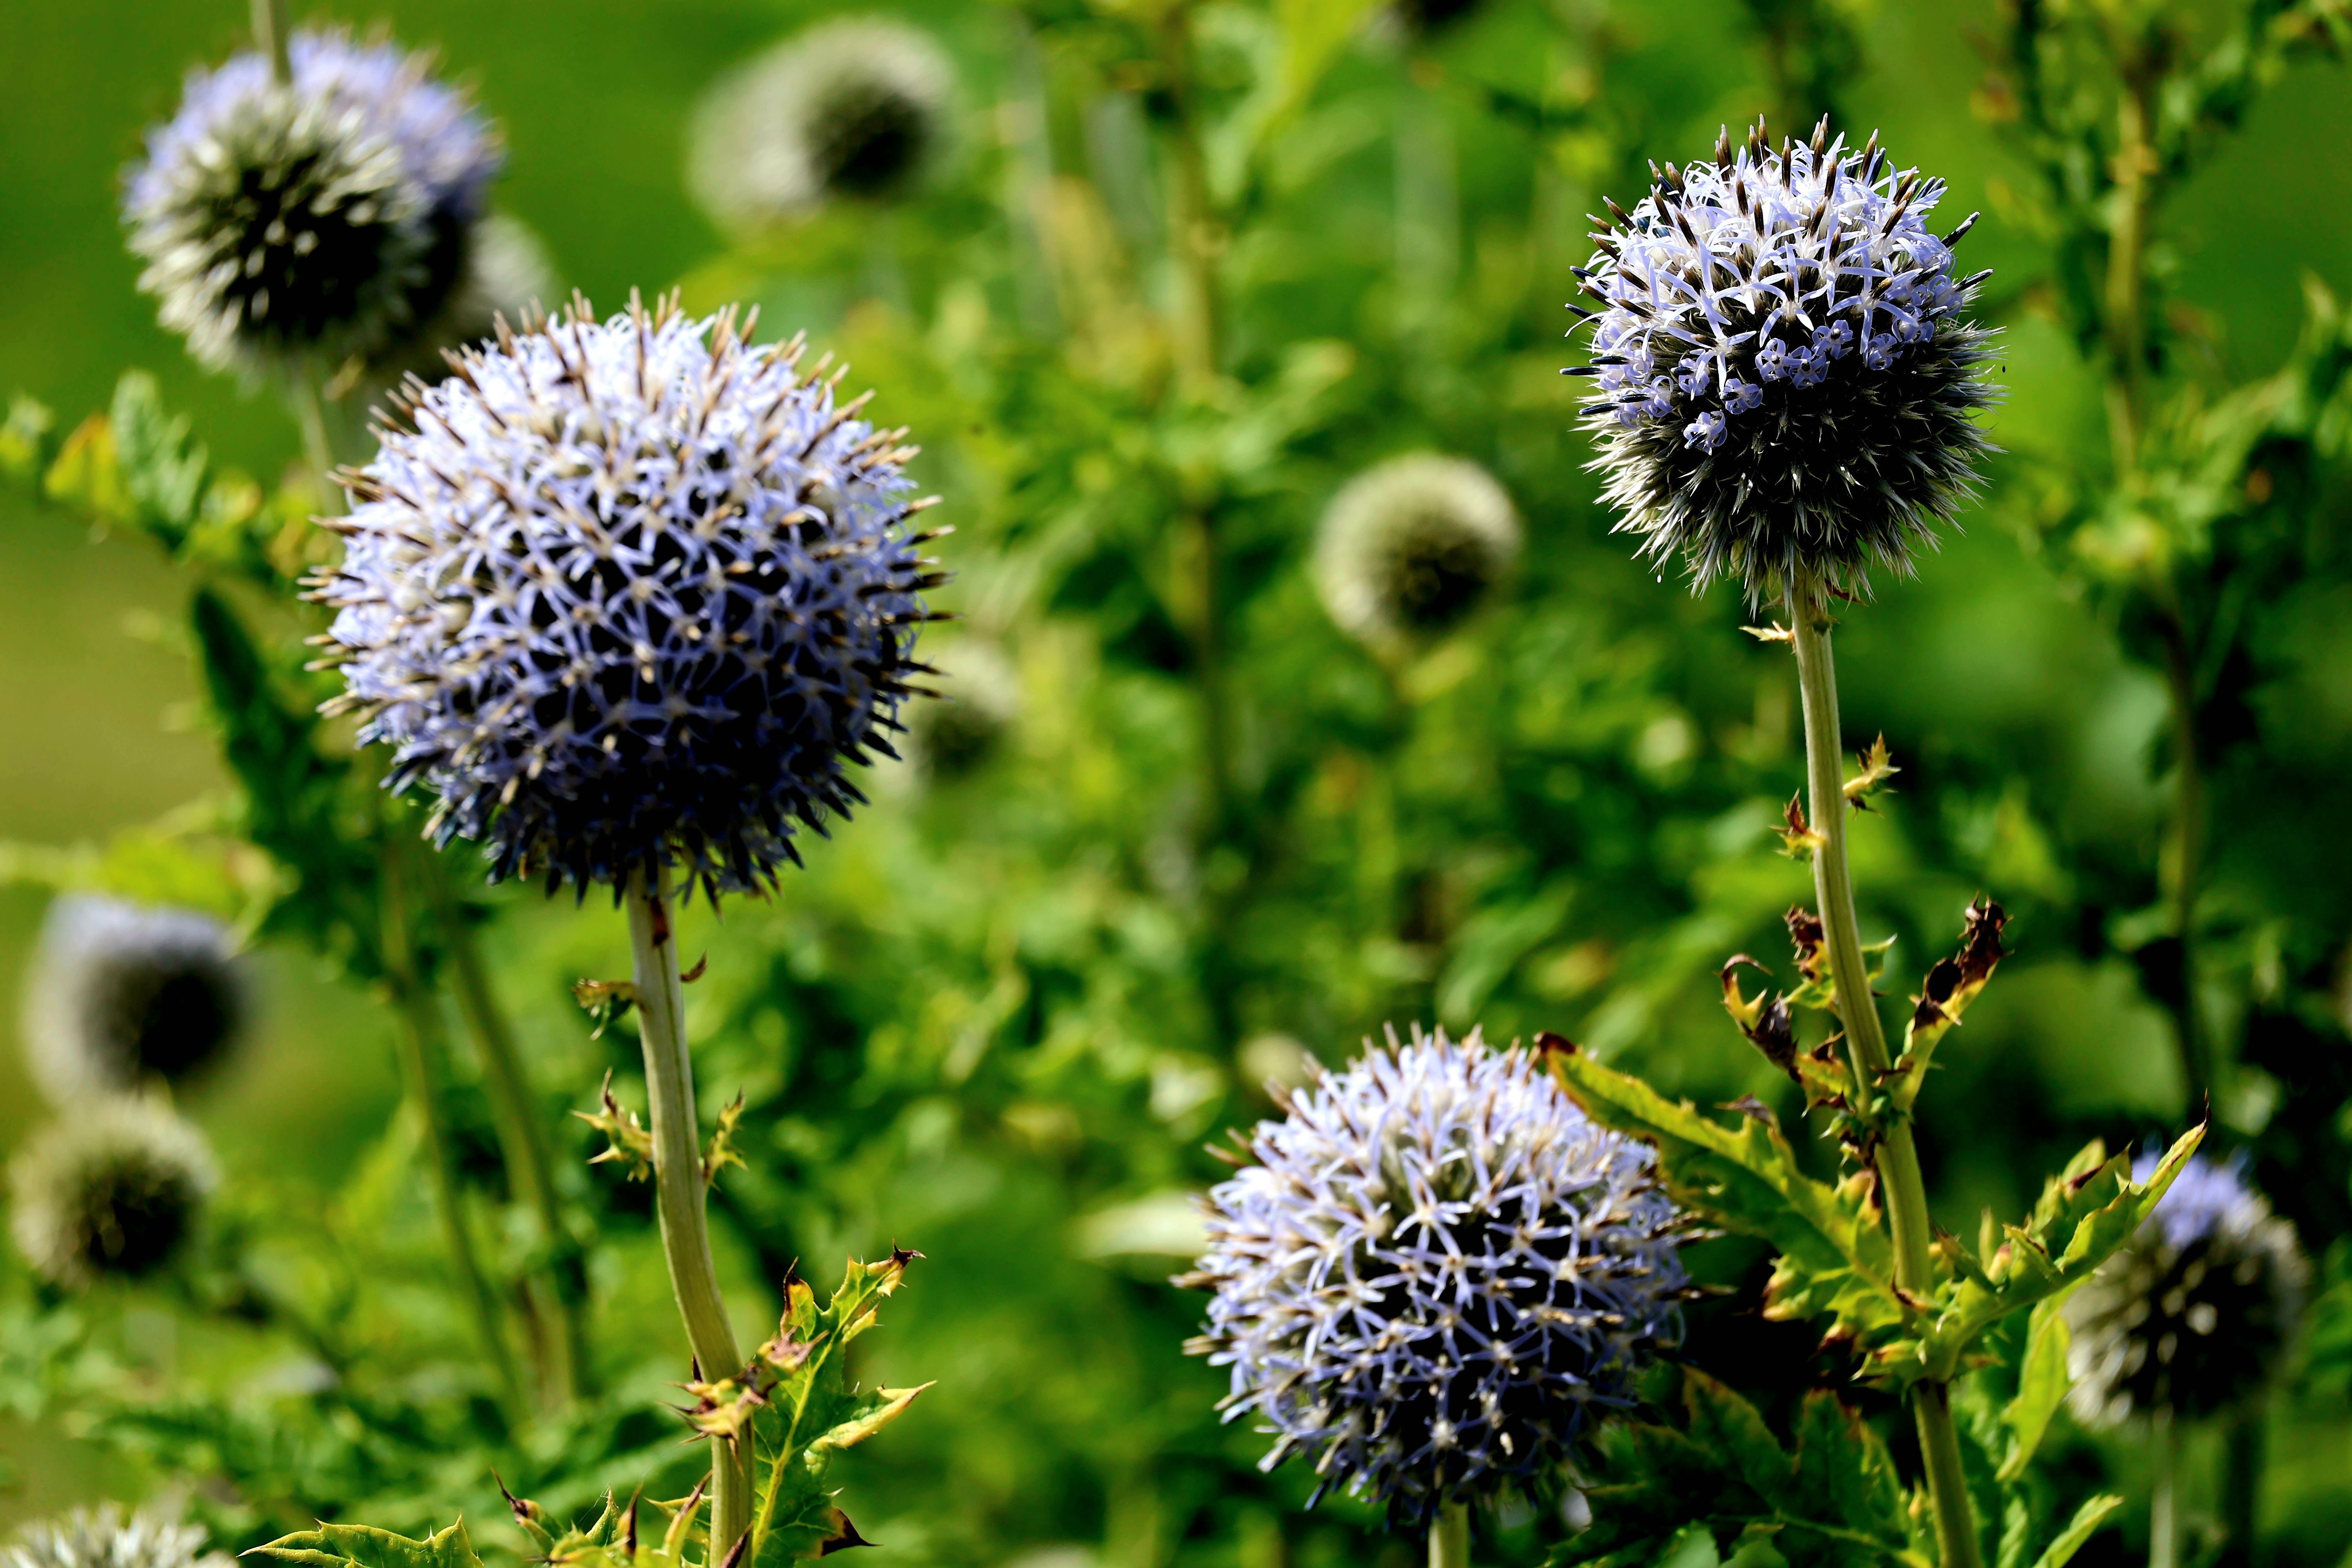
{"x":1409,"y":548}
{"x":112,"y":1188}
{"x":102,"y":1538}
{"x":956,"y":738}
{"x":119,"y":997}
{"x":1436,"y":1273}
{"x":1788,"y":381}
{"x":506,"y":272}
{"x":856,"y":107}
{"x":630,"y":592}
{"x":317,"y":219}
{"x":2194,"y":1313}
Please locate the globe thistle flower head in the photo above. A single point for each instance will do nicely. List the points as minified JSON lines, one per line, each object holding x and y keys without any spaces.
{"x":855,"y":108}
{"x":111,"y":1190}
{"x":1437,"y":1271}
{"x":1410,"y":547}
{"x":2192,"y":1314}
{"x":120,"y":997}
{"x":1788,"y":378}
{"x":101,"y":1537}
{"x":630,"y":592}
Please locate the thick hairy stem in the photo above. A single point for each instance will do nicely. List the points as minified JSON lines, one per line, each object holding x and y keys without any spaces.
{"x":269,"y":36}
{"x":1903,"y":1189}
{"x":679,"y":1184}
{"x":1449,"y":1537}
{"x":555,"y":1302}
{"x":423,"y":1053}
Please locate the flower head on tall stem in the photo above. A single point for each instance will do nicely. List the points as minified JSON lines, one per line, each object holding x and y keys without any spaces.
{"x":2192,"y":1315}
{"x":630,"y":592}
{"x":312,"y":220}
{"x":111,"y":1190}
{"x":851,"y":109}
{"x":120,"y":997}
{"x":1436,"y":1273}
{"x":1789,"y":379}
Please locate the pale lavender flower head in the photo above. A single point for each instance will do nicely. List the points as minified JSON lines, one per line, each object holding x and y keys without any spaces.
{"x":120,"y":997}
{"x":102,"y":1538}
{"x":1436,"y":1273}
{"x":1789,"y":379}
{"x":111,"y":1190}
{"x":630,"y":592}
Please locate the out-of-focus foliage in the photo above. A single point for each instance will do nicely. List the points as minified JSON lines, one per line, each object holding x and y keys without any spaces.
{"x":1185,"y":270}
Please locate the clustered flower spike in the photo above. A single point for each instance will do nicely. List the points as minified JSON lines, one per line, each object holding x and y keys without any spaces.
{"x":112,"y":1189}
{"x":1788,"y":382}
{"x":2192,"y":1314}
{"x":1408,"y":548}
{"x":103,"y":1539}
{"x":1437,"y":1271}
{"x":853,"y":108}
{"x":321,"y":217}
{"x":119,"y":997}
{"x":629,"y":592}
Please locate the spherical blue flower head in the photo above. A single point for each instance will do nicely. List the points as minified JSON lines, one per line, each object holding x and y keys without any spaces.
{"x":630,"y":592}
{"x":2190,"y":1316}
{"x":1438,"y":1270}
{"x":390,"y":166}
{"x":1788,"y":379}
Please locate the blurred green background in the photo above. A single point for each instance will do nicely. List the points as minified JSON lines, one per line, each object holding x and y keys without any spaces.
{"x":1657,"y":736}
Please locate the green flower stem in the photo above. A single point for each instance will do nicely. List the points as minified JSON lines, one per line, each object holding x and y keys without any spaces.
{"x":1897,"y":1159}
{"x":423,"y":1051}
{"x":680,"y":1186}
{"x":269,"y":36}
{"x":2163,"y":1504}
{"x":523,"y":1143}
{"x":1449,"y":1537}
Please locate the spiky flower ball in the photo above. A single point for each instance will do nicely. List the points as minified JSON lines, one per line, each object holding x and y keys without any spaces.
{"x":2192,"y":1314}
{"x":1436,"y":1273}
{"x":1789,"y":381}
{"x":111,"y":1190}
{"x":630,"y":592}
{"x":853,"y":107}
{"x":103,"y":1539}
{"x":120,"y":997}
{"x":318,"y":218}
{"x":1408,"y":548}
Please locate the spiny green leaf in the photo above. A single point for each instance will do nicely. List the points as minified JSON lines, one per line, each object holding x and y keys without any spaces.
{"x":2086,"y":1523}
{"x":364,"y":1546}
{"x":2041,"y":1384}
{"x":1945,"y":993}
{"x":163,"y":470}
{"x":1835,"y":1255}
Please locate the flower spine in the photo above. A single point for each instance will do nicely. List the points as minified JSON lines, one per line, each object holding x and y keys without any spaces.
{"x":2192,"y":1314}
{"x":1435,"y":1273}
{"x":120,"y":997}
{"x":1788,"y":379}
{"x":630,"y":591}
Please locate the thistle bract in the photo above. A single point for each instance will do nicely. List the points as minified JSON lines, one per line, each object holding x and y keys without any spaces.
{"x":2192,"y":1314}
{"x":119,"y":997}
{"x":112,"y":1189}
{"x":853,"y":108}
{"x":1410,"y":547}
{"x":1437,"y":1272}
{"x":103,"y":1539}
{"x":630,"y":592}
{"x":1788,"y":382}
{"x":318,"y":216}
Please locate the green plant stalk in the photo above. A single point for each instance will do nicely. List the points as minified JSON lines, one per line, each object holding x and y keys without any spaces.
{"x":1897,"y":1156}
{"x":523,"y":1143}
{"x":1449,"y":1537}
{"x":2164,"y":1502}
{"x":680,"y":1186}
{"x":421,"y":1050}
{"x":2183,"y":866}
{"x":269,"y":36}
